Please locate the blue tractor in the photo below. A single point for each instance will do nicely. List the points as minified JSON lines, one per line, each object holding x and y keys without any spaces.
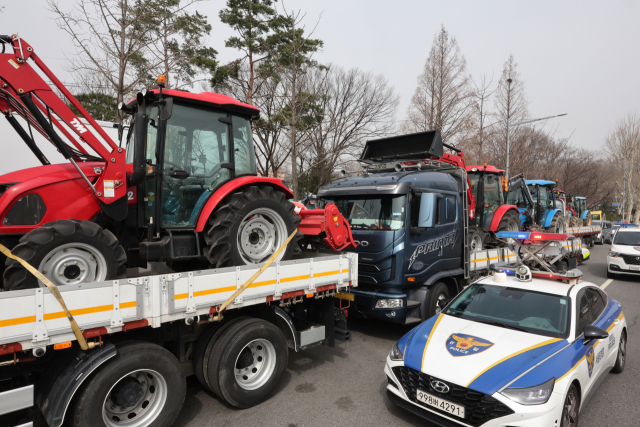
{"x":582,"y":212}
{"x":539,"y":208}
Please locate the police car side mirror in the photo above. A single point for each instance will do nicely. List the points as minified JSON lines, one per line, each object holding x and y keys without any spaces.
{"x":428,"y":206}
{"x":592,"y":332}
{"x":442,"y":303}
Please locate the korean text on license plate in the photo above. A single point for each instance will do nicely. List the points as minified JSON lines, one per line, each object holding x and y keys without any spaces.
{"x":441,"y":404}
{"x":634,"y":268}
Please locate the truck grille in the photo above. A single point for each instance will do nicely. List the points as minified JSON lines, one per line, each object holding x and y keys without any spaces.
{"x":479,"y":407}
{"x":631,"y":259}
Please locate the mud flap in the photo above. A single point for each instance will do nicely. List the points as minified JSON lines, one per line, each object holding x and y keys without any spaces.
{"x":57,"y":388}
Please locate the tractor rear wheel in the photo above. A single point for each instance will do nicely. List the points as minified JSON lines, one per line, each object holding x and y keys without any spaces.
{"x":249,"y":226}
{"x":575,"y":222}
{"x":509,"y":222}
{"x":557,"y":224}
{"x":67,"y":252}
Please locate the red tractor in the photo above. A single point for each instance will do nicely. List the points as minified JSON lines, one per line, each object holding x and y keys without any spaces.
{"x":183,"y":189}
{"x":493,"y":214}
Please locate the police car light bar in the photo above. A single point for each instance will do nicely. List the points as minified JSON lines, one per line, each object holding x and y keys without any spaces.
{"x":569,"y":275}
{"x":534,"y":235}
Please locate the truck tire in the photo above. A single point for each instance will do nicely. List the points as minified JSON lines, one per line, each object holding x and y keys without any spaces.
{"x":439,"y":291}
{"x":67,"y":252}
{"x":476,"y":239}
{"x":247,"y":362}
{"x":249,"y":226}
{"x":205,"y":345}
{"x":142,"y":385}
{"x":557,"y":224}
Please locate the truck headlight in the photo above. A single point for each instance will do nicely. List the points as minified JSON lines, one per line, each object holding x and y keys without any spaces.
{"x":396,"y":354}
{"x":389,"y":303}
{"x":614,"y":254}
{"x":535,"y":395}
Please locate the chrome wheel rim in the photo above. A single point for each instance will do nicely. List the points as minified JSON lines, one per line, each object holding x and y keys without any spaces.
{"x":255,"y":364}
{"x":143,"y":394}
{"x":261,"y":233}
{"x":622,"y":350}
{"x":72,"y":264}
{"x":570,"y":411}
{"x":440,"y":297}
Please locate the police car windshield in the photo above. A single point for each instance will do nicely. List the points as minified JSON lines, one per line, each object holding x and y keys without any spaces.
{"x":370,"y":213}
{"x":631,"y":238}
{"x":511,"y":308}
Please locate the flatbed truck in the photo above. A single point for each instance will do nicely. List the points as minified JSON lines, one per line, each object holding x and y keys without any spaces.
{"x":148,"y":333}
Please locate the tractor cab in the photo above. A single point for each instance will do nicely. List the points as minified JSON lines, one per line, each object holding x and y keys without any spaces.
{"x":200,"y":146}
{"x":488,"y":185}
{"x":582,"y":212}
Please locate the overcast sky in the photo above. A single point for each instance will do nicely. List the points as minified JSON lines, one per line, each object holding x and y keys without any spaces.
{"x":576,"y":57}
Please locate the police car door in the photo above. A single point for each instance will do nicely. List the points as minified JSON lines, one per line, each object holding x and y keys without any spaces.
{"x":589,"y":350}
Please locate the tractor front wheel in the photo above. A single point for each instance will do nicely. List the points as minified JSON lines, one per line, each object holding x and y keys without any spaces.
{"x":67,"y":252}
{"x":557,"y":224}
{"x":509,"y":222}
{"x":249,"y":226}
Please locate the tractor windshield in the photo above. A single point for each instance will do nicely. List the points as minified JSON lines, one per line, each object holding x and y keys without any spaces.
{"x":197,"y":160}
{"x":367,"y":213}
{"x":542,"y":195}
{"x":492,"y":195}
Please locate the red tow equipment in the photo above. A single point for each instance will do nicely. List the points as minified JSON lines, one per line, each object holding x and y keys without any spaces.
{"x":327,"y":222}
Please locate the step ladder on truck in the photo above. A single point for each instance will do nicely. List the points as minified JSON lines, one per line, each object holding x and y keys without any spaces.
{"x":93,"y":344}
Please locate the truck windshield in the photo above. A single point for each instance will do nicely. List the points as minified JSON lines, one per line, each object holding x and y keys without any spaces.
{"x":511,"y":308}
{"x":631,"y":238}
{"x":370,"y":213}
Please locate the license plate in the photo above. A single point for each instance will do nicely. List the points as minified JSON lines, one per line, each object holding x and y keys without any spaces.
{"x":634,"y":268}
{"x":439,"y":403}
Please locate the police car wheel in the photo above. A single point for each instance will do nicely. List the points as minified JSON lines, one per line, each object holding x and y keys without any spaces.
{"x":622,"y":354}
{"x":570,"y":408}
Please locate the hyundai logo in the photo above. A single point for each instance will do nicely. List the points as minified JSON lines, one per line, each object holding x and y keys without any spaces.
{"x":362,"y":243}
{"x":439,"y":386}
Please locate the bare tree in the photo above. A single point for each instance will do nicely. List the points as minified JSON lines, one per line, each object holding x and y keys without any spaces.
{"x":480,"y":113}
{"x":356,"y":106}
{"x":442,"y":99}
{"x":622,"y":146}
{"x":111,"y":38}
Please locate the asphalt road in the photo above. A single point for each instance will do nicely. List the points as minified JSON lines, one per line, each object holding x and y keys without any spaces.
{"x":346,"y":385}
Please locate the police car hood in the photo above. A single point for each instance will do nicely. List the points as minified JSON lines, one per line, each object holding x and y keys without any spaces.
{"x":475,"y":355}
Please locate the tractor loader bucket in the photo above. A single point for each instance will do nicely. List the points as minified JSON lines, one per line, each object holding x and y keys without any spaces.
{"x":411,"y":147}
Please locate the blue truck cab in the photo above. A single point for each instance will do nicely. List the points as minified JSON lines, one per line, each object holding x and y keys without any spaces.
{"x":409,"y":222}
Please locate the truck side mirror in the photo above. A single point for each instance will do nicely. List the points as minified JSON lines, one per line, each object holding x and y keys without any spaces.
{"x":428,"y":206}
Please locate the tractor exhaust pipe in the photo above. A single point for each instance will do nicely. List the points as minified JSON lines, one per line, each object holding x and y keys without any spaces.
{"x":139,"y":142}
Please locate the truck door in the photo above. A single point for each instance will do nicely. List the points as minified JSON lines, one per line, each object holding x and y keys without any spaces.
{"x":449,"y":219}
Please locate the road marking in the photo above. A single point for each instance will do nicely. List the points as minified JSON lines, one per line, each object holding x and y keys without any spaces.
{"x":605,"y":284}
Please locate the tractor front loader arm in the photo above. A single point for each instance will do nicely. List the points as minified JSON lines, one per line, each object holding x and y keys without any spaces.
{"x":23,"y":92}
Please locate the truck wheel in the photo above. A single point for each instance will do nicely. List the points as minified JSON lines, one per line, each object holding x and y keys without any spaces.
{"x":439,"y":291}
{"x":142,"y":385}
{"x":557,"y":224}
{"x":247,"y":362}
{"x":205,"y":344}
{"x":249,"y":226}
{"x":476,"y":239}
{"x":67,"y":252}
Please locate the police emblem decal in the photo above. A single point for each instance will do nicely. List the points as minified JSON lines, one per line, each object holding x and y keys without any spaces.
{"x":589,"y":357}
{"x":466,"y":345}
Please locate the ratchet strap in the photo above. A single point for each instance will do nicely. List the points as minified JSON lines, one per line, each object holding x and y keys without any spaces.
{"x":232,"y":298}
{"x":55,"y":292}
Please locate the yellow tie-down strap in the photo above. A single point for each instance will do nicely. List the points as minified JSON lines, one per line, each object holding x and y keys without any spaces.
{"x":54,"y":291}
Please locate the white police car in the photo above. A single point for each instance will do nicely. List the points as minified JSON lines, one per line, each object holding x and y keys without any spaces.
{"x":624,"y":253}
{"x":510,"y":351}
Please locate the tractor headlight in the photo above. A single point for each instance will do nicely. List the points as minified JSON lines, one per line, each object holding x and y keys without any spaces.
{"x":535,"y":395}
{"x":396,"y":354}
